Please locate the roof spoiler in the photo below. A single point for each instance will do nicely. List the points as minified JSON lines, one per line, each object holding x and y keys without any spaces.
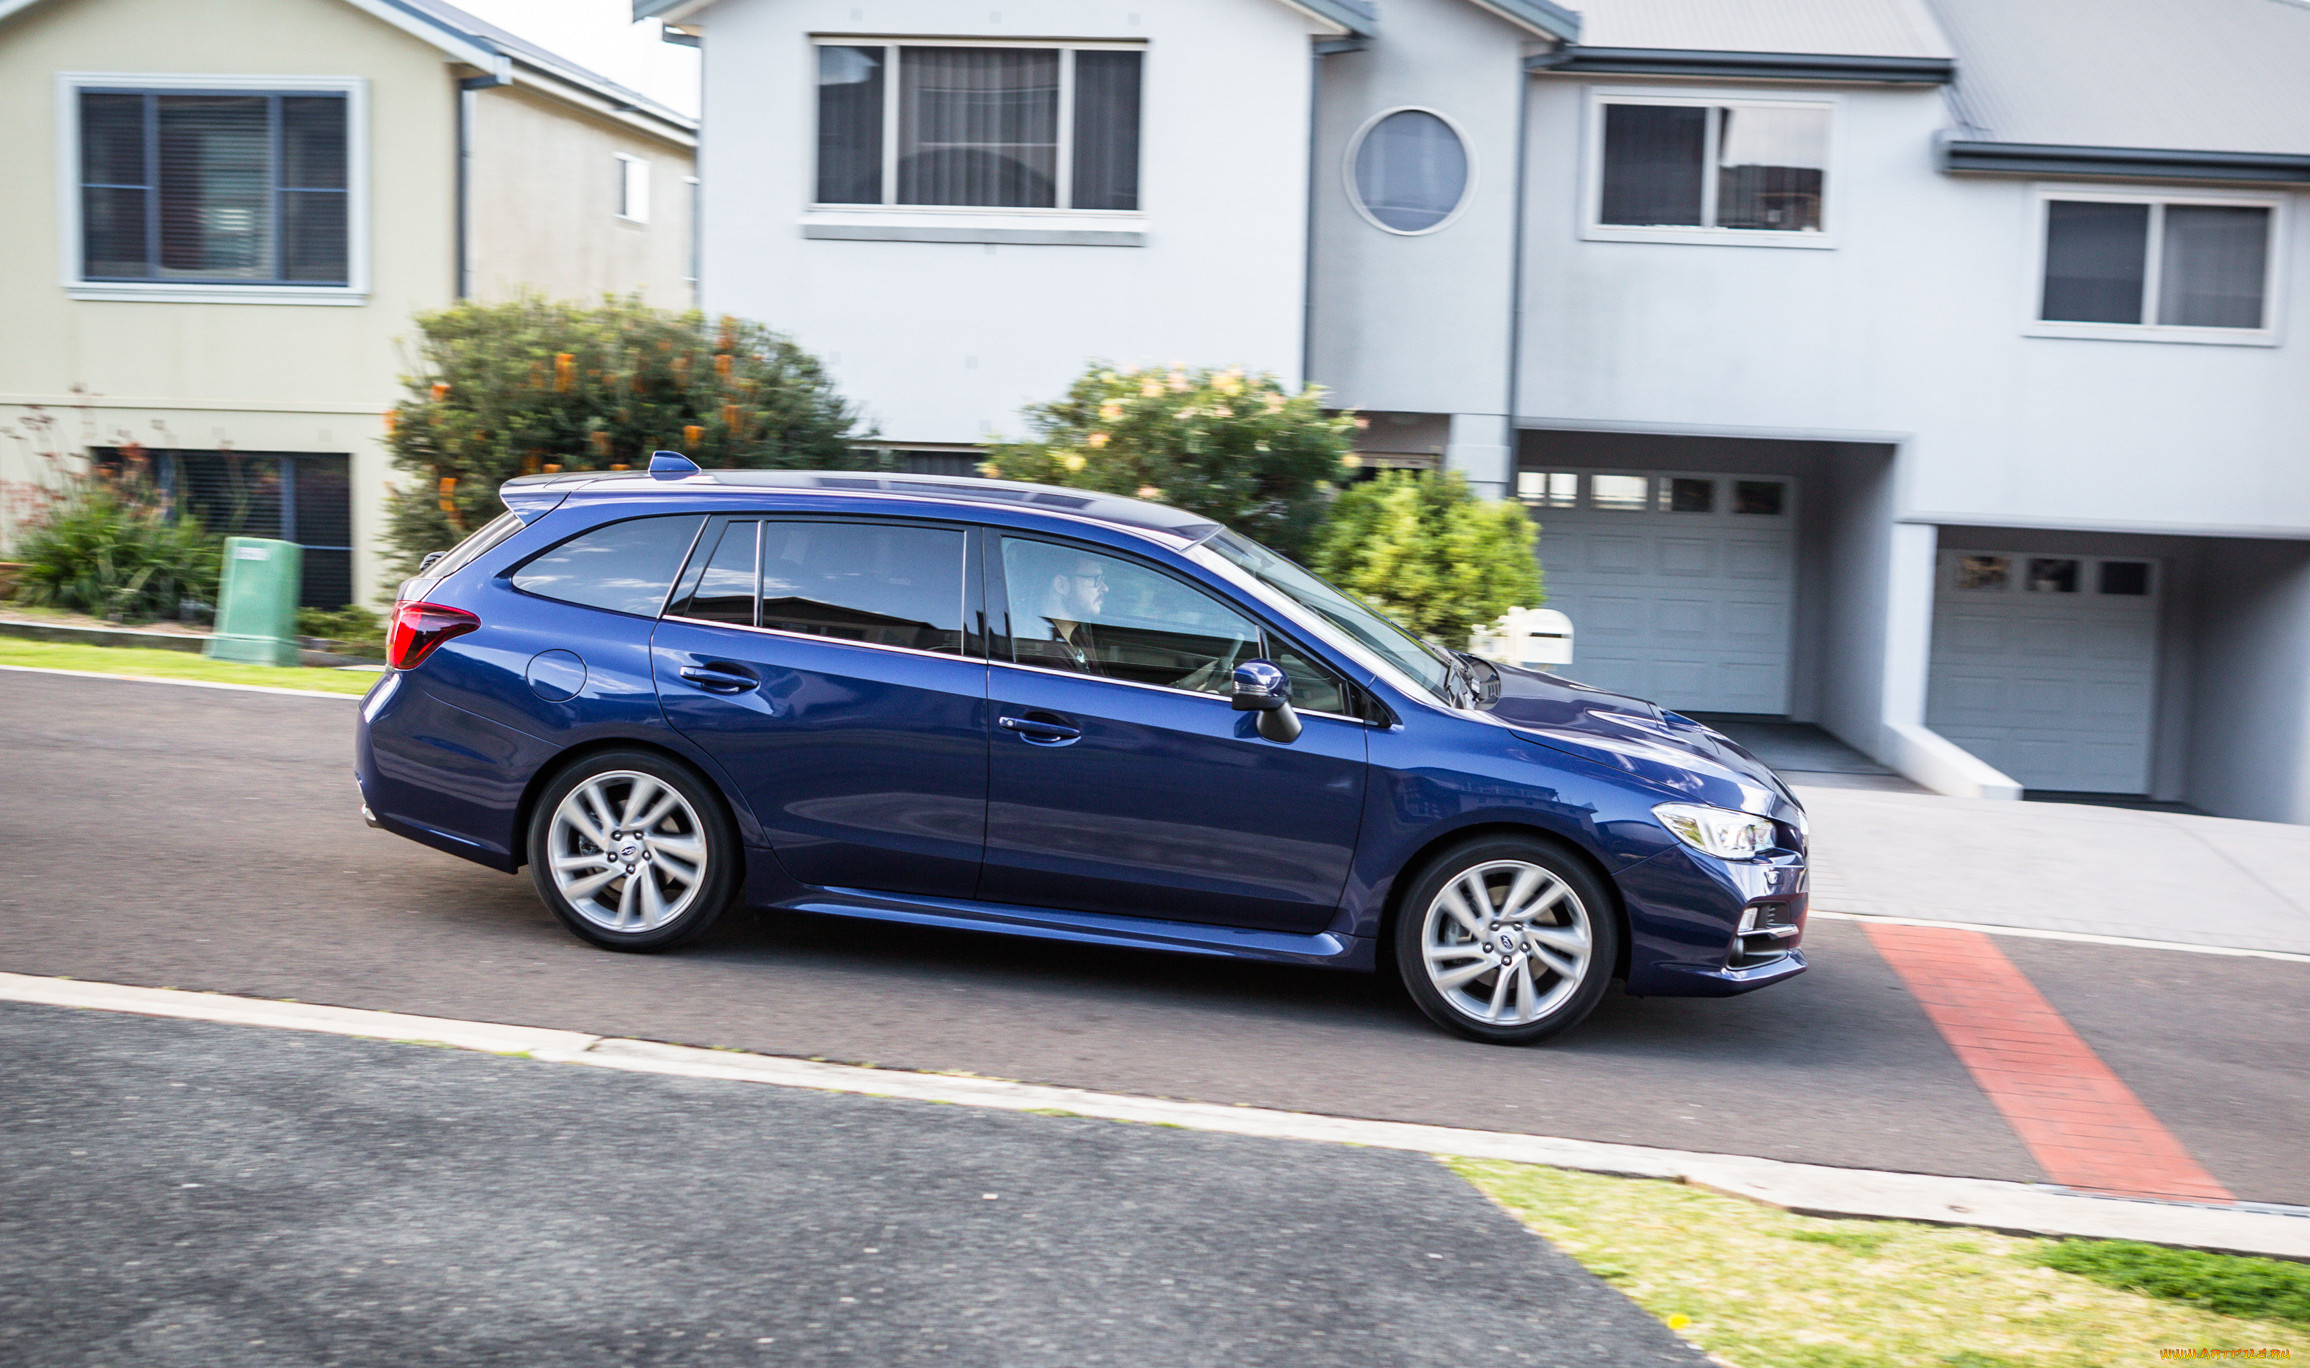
{"x":530,"y":497}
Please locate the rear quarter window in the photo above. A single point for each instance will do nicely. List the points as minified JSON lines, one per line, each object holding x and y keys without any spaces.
{"x":626,"y":567}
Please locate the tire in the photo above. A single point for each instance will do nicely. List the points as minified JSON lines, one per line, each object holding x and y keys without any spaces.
{"x":1494,"y":978}
{"x":656,"y":883}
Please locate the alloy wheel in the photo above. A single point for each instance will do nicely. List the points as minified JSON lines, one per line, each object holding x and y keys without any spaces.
{"x":627,"y":851}
{"x":1506,"y":942}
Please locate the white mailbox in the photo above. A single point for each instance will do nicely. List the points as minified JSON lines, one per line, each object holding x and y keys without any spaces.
{"x":1535,"y":638}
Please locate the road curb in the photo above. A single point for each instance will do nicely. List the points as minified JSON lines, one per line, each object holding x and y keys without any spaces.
{"x":189,"y":683}
{"x":2074,"y":937}
{"x":1807,"y":1189}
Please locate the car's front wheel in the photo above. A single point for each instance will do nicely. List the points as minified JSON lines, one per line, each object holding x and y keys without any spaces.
{"x":632,"y":850}
{"x":1507,"y":940}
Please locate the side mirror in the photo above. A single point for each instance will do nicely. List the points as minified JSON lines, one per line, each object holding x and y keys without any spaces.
{"x":1262,"y":688}
{"x":427,"y":563}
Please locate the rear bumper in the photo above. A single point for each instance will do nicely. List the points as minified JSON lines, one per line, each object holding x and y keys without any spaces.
{"x":1685,"y":913}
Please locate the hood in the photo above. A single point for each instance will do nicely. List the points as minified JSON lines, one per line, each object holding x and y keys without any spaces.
{"x":1660,"y":749}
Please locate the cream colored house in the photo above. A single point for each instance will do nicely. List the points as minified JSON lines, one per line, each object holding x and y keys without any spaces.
{"x":223,"y":215}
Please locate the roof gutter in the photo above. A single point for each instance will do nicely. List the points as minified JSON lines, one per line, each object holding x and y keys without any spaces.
{"x":1541,"y":18}
{"x":1978,"y":157}
{"x":1772,"y":66}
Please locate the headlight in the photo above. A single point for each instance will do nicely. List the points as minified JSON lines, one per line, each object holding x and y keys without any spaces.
{"x":1721,"y":832}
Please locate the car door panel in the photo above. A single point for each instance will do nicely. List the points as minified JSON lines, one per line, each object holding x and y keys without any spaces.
{"x":1167,"y":804}
{"x":1111,"y":793}
{"x":865,"y":764}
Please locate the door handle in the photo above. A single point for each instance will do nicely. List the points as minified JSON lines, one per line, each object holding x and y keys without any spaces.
{"x":719,"y":678}
{"x":1041,"y":733}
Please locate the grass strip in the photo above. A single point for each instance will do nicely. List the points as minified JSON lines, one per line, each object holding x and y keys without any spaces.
{"x":1760,"y":1288}
{"x":141,"y":660}
{"x":2226,"y":1283}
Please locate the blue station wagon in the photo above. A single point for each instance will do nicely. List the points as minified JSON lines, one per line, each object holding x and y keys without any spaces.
{"x":1052,"y":713}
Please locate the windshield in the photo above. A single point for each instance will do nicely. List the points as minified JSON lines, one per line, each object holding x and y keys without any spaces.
{"x":1375,"y":633}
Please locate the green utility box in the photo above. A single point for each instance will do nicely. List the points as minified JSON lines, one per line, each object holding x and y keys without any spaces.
{"x":257,"y":602}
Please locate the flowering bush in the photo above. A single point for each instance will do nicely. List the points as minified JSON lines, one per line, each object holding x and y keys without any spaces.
{"x":104,"y":543}
{"x":536,"y":385}
{"x":1234,"y":447}
{"x":1435,"y":557}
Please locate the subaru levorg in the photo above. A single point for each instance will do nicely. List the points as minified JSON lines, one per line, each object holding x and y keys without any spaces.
{"x":1051,"y":713}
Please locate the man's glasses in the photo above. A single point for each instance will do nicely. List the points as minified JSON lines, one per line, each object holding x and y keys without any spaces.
{"x":1098,"y":577}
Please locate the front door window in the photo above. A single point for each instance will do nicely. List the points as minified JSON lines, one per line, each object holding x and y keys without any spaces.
{"x":1081,"y":611}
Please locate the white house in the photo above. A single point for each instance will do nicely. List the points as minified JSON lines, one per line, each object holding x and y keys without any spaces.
{"x":223,"y":216}
{"x":1927,"y":369}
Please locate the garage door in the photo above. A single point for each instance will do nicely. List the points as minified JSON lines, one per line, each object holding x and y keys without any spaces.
{"x":1680,"y":586}
{"x":2046,"y":666}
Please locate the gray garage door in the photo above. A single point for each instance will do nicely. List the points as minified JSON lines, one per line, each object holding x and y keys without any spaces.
{"x":1680,"y":586}
{"x":2046,"y":666}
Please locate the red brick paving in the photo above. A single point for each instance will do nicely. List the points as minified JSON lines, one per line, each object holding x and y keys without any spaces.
{"x":2085,"y":1127}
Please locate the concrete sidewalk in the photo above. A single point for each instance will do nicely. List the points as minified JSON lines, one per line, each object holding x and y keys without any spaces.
{"x":2157,"y":876}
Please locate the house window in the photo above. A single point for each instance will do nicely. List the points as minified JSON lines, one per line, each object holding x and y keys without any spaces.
{"x":1548,"y":488}
{"x":2156,"y":263}
{"x":225,"y":187}
{"x":304,"y":497}
{"x":1048,"y":127}
{"x":1408,"y":171}
{"x":633,"y":188}
{"x":1731,"y":170}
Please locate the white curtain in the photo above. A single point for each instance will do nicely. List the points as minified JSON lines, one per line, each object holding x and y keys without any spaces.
{"x":978,"y":126}
{"x":2215,"y":258}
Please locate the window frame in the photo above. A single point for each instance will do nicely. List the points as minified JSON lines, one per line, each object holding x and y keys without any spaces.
{"x":1724,"y":493}
{"x":1355,"y":149}
{"x":632,"y":169}
{"x":354,"y":89}
{"x":1063,"y":150}
{"x":2153,"y":265}
{"x":974,"y":645}
{"x":1593,"y":229}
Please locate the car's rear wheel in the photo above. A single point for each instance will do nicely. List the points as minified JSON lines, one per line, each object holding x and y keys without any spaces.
{"x":632,"y":850}
{"x":1507,"y":940}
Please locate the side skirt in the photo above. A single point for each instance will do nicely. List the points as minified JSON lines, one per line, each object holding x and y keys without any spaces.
{"x":1324,"y":949}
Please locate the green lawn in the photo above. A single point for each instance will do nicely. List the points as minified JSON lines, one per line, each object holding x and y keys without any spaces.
{"x":1760,"y":1288}
{"x":139,"y":660}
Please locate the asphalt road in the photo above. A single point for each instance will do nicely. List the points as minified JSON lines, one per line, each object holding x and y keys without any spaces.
{"x":201,"y":838}
{"x":182,"y":1193}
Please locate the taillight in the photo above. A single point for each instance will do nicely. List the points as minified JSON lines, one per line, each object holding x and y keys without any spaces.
{"x":419,"y":627}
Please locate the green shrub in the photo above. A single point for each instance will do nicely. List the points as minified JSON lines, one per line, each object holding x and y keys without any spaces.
{"x":1428,"y":551}
{"x":2229,"y":1284}
{"x":355,"y":629}
{"x":1233,"y":447}
{"x":106,"y":545}
{"x":534,"y":385}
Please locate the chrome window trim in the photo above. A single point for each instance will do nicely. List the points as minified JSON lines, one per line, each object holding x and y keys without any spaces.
{"x":1159,"y":688}
{"x":956,"y":654}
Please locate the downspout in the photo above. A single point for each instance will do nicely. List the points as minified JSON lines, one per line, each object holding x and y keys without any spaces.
{"x":1323,"y":48}
{"x":1516,"y":275}
{"x":500,"y":74}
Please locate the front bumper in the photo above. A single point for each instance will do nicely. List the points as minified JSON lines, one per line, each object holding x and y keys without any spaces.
{"x":1686,"y":913}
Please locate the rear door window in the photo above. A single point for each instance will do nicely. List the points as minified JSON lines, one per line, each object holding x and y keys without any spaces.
{"x":883,"y":584}
{"x":626,"y":567}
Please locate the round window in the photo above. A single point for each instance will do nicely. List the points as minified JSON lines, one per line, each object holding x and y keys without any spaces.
{"x":1409,"y":171}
